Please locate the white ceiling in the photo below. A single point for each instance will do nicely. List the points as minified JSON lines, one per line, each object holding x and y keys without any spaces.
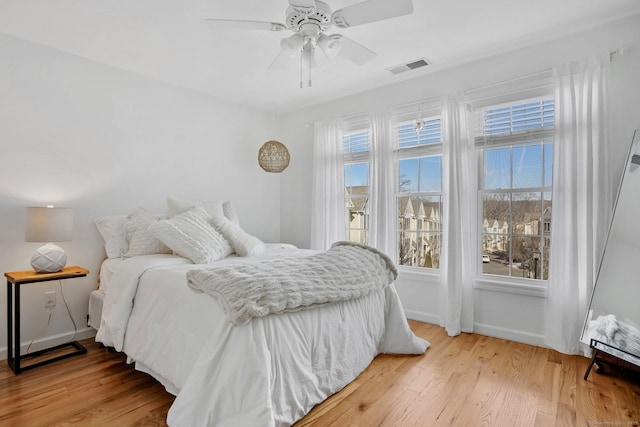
{"x":168,"y":40}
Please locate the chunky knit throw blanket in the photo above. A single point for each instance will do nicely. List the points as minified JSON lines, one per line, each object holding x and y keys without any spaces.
{"x":346,"y":271}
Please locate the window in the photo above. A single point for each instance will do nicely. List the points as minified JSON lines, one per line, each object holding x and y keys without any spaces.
{"x":515,"y":187}
{"x":419,"y":192}
{"x":356,"y":182}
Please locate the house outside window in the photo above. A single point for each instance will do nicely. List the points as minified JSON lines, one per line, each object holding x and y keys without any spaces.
{"x":515,"y":197}
{"x":419,"y":192}
{"x":357,"y":189}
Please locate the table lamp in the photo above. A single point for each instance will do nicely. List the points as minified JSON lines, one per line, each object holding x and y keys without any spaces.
{"x":49,"y":224}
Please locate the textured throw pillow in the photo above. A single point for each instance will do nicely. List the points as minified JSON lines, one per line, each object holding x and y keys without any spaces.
{"x":213,"y":208}
{"x":140,"y":241}
{"x":111,"y":229}
{"x":191,"y":236}
{"x":243,"y":243}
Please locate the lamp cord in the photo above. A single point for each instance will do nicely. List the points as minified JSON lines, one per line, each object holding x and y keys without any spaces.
{"x":309,"y":63}
{"x":75,"y":327}
{"x":48,"y":323}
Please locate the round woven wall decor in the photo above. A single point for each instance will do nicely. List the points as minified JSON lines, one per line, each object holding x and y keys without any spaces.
{"x":273,"y":156}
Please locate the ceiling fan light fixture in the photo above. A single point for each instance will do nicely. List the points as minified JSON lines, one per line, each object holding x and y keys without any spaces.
{"x":330,"y":45}
{"x":292,"y":44}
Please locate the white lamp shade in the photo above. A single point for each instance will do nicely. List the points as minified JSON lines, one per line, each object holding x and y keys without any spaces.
{"x":49,"y":224}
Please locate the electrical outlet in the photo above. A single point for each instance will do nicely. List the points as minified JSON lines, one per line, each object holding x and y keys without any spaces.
{"x":50,"y":299}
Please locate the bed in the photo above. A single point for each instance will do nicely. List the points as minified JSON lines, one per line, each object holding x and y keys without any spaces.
{"x":264,"y":370}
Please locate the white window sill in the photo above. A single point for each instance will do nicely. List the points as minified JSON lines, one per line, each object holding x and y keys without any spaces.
{"x":511,"y":285}
{"x":486,"y":282}
{"x":419,"y":274}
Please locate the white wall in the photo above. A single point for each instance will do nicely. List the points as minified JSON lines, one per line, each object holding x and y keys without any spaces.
{"x":513,"y":316}
{"x":102,"y":141}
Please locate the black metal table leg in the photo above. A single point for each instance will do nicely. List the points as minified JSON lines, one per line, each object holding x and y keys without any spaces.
{"x":16,"y":327}
{"x":10,"y":324}
{"x":593,"y":360}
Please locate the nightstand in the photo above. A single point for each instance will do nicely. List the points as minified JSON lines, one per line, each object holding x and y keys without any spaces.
{"x":15,"y":280}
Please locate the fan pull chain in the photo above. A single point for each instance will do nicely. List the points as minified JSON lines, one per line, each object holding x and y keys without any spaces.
{"x":301,"y":65}
{"x":309,"y":64}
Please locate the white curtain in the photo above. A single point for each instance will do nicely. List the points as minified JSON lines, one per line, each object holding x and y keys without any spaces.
{"x":382,"y":228}
{"x":582,"y":200}
{"x":327,"y":193}
{"x":457,"y":258}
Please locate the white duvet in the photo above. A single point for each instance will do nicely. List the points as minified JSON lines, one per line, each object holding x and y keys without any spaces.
{"x":268,"y":372}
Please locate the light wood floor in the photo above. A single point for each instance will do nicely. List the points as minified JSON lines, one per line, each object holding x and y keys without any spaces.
{"x":469,"y":380}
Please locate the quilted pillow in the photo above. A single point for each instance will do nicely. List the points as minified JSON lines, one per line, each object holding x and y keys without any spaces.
{"x":190,"y":235}
{"x":243,"y":243}
{"x":213,"y":208}
{"x":139,"y":240}
{"x":111,"y":229}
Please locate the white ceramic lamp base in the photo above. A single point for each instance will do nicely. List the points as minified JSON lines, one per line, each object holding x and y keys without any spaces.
{"x":49,"y":259}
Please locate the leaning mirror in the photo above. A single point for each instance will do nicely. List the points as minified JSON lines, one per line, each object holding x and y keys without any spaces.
{"x":612,"y":325}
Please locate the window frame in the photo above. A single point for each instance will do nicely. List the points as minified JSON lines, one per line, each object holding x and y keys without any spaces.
{"x":351,"y":158}
{"x":543,"y":136}
{"x":418,"y":151}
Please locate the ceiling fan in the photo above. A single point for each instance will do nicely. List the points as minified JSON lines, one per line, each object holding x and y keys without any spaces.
{"x":310,"y":19}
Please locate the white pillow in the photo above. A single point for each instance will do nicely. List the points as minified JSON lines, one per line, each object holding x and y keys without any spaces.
{"x":214,"y":207}
{"x":230,"y":212}
{"x":243,"y":243}
{"x":191,"y":236}
{"x":140,"y":241}
{"x":178,"y":206}
{"x":111,"y":229}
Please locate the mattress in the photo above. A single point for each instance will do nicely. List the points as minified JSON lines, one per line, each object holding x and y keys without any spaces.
{"x":96,"y":298}
{"x":96,"y":301}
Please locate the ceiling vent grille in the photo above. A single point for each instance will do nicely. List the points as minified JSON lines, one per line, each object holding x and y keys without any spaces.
{"x":419,"y":63}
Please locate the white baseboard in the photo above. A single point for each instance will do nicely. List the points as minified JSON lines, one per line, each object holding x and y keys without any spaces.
{"x":482,"y":329}
{"x":509,"y":334}
{"x":422,"y":316}
{"x":52,"y":341}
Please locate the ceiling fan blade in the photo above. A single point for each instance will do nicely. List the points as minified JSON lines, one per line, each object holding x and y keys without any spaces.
{"x":354,"y":51}
{"x":303,"y":3}
{"x":232,"y":24}
{"x":371,"y":11}
{"x":281,"y":62}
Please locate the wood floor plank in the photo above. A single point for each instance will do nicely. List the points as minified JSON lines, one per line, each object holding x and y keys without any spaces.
{"x":468,"y":380}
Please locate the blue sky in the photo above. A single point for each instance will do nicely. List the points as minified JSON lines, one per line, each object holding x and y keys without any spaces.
{"x":527,"y":162}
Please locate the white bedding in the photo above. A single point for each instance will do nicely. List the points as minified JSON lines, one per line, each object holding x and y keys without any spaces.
{"x":268,"y":372}
{"x":108,"y":267}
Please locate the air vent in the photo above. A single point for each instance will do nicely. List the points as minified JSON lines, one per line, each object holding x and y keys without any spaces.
{"x":409,"y":66}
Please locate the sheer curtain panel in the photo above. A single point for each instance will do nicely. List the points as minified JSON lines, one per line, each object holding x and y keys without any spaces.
{"x":582,"y":198}
{"x":458,"y":232}
{"x":327,"y":194}
{"x":382,"y":234}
